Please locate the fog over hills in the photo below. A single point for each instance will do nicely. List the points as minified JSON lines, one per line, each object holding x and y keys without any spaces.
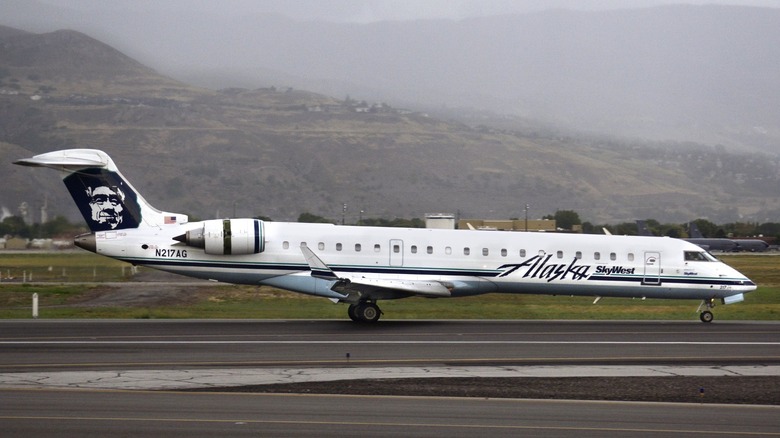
{"x":696,"y":73}
{"x":278,"y":151}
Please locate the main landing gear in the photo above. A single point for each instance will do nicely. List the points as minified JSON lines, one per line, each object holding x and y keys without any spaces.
{"x":364,"y":312}
{"x":706,"y":315}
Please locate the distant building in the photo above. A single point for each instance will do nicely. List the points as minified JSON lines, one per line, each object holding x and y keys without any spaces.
{"x":24,"y":213}
{"x":16,"y":243}
{"x":507,"y":224}
{"x":444,"y":221}
{"x":40,"y":244}
{"x":44,"y":211}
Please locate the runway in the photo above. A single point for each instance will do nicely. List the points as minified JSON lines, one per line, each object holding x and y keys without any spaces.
{"x":225,"y":350}
{"x":142,"y":344}
{"x":114,"y":413}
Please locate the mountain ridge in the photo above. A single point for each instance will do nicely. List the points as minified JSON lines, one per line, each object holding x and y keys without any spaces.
{"x":280,"y":152}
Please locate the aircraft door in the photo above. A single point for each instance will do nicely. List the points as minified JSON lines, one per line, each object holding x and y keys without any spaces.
{"x":652,"y":273}
{"x":396,"y":252}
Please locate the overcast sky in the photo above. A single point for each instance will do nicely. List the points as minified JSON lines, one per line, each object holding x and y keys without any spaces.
{"x":693,"y":73}
{"x":365,"y":11}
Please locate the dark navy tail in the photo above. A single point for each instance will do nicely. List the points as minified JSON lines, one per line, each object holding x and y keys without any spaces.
{"x":106,"y":200}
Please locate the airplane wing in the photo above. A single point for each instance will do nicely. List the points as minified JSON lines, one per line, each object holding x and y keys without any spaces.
{"x":374,"y":286}
{"x":362,"y":287}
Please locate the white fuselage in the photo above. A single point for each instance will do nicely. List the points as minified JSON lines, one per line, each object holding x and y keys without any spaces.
{"x":466,"y":262}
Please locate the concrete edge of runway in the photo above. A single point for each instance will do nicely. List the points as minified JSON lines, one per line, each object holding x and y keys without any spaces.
{"x":206,"y":378}
{"x":693,"y":320}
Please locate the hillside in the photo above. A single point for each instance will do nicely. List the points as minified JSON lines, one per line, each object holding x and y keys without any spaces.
{"x":280,"y":152}
{"x":702,"y":73}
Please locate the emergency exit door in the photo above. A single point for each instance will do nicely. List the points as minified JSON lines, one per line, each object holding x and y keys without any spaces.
{"x":652,"y":274}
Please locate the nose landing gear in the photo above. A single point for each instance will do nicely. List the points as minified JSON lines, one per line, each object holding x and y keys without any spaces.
{"x":706,"y":315}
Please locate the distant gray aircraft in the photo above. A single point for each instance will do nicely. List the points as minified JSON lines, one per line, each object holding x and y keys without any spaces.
{"x":723,"y":244}
{"x":712,"y":243}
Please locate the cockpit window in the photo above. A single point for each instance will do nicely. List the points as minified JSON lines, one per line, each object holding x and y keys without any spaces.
{"x":699,"y":256}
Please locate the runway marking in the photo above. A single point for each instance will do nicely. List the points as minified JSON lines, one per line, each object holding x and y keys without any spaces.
{"x":381,"y":342}
{"x":241,"y":422}
{"x":353,"y":361}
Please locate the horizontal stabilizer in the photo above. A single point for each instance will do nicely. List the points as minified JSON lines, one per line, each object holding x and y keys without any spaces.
{"x":72,"y":159}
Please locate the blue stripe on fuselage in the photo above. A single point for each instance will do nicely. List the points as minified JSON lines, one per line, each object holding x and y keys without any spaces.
{"x":293,"y":267}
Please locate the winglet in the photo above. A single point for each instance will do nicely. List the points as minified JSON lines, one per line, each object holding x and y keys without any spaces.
{"x":317,"y":266}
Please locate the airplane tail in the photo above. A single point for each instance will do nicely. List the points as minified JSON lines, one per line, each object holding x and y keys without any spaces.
{"x":693,"y":231}
{"x":642,"y":229}
{"x":104,"y":197}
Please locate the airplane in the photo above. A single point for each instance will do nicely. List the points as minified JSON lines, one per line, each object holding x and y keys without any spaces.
{"x":723,"y":244}
{"x":712,"y":243}
{"x":361,"y":266}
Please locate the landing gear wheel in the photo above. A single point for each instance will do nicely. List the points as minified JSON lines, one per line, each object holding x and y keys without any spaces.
{"x":706,"y":316}
{"x":367,"y":312}
{"x":352,"y":312}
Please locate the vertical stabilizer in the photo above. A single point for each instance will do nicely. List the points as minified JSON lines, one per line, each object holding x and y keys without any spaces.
{"x":642,"y":229}
{"x":104,"y":197}
{"x":693,"y":231}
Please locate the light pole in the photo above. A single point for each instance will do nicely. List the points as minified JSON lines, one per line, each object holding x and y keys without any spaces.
{"x":526,"y":216}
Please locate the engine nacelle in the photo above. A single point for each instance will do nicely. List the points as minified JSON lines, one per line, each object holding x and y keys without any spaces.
{"x":226,"y":237}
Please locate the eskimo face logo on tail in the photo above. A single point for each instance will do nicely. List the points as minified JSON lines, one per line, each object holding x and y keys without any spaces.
{"x":107,"y":205}
{"x":105,"y":199}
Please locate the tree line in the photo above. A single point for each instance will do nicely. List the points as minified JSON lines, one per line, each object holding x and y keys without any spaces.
{"x":566,"y":220}
{"x":59,"y":226}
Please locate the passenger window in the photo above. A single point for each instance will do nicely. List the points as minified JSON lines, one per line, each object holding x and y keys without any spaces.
{"x":429,"y":250}
{"x":303,"y":244}
{"x":357,"y":247}
{"x":338,"y":247}
{"x":522,"y":253}
{"x":631,"y":257}
{"x":596,"y":256}
{"x":321,"y":246}
{"x":466,"y":251}
{"x":396,"y":248}
{"x":377,"y":247}
{"x":485,"y":251}
{"x":578,"y":255}
{"x":286,"y":245}
{"x":560,"y":254}
{"x":612,"y":256}
{"x":414,"y":249}
{"x":503,"y":252}
{"x":448,"y":250}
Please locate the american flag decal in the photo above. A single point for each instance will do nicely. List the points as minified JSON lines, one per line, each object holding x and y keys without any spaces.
{"x":170,"y":219}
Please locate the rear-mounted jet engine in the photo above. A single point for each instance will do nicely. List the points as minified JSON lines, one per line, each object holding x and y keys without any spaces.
{"x":225,"y":237}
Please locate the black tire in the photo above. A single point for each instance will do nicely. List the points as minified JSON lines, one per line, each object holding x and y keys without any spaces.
{"x":368,"y":312}
{"x":352,"y":312}
{"x":706,"y":316}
